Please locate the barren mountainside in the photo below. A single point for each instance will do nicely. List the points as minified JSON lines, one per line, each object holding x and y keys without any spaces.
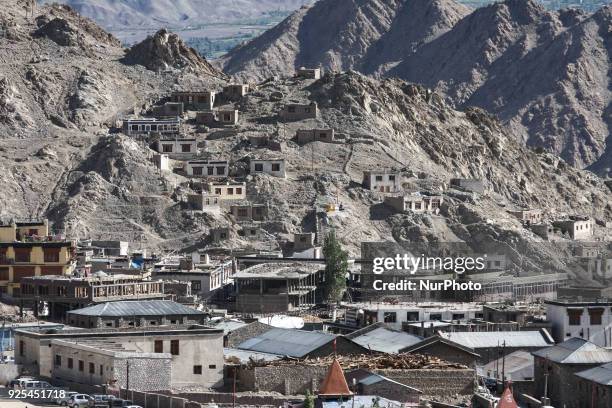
{"x":544,"y":74}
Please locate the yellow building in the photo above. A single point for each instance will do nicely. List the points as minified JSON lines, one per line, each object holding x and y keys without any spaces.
{"x":27,"y":249}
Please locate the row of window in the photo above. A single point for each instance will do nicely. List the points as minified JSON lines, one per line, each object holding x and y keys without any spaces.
{"x":81,"y":365}
{"x":169,"y":148}
{"x":25,"y":255}
{"x":210,"y":171}
{"x":174,"y":347}
{"x":391,"y":317}
{"x":260,"y":167}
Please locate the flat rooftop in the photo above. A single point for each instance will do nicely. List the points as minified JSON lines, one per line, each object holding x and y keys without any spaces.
{"x":295,"y":270}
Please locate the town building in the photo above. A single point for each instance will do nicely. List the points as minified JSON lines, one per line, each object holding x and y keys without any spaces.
{"x":372,"y":388}
{"x":595,"y":385}
{"x":64,"y":293}
{"x":228,"y":190}
{"x":179,"y":356}
{"x":207,"y":277}
{"x":162,"y":162}
{"x":543,"y":230}
{"x":517,"y":367}
{"x":308,"y":73}
{"x":304,"y":240}
{"x":415,"y":203}
{"x":235,"y":92}
{"x":207,"y":168}
{"x":528,"y":216}
{"x":208,"y":203}
{"x":28,"y":249}
{"x":382,"y":181}
{"x":195,"y":100}
{"x":220,"y":234}
{"x":471,"y":185}
{"x":494,"y":344}
{"x":586,"y":319}
{"x":176,"y":148}
{"x":298,"y":111}
{"x":577,"y":228}
{"x":555,"y":367}
{"x":278,"y":287}
{"x":378,"y":337}
{"x":168,"y":109}
{"x":249,"y":212}
{"x":134,"y":313}
{"x":217,"y":117}
{"x":136,"y":127}
{"x":273,"y":167}
{"x":300,"y":343}
{"x":445,"y":349}
{"x":303,"y":136}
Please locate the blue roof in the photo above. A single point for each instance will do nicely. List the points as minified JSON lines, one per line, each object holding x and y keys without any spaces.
{"x":287,"y":342}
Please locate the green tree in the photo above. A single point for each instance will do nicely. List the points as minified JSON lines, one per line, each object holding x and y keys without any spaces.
{"x":336,"y":268}
{"x":309,"y":401}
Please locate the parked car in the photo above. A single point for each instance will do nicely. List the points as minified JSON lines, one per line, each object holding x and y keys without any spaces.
{"x":133,"y":406}
{"x":120,"y":403}
{"x":20,"y":382}
{"x":35,"y":385}
{"x":8,"y":359}
{"x":79,"y":401}
{"x":64,"y":401}
{"x":100,"y":401}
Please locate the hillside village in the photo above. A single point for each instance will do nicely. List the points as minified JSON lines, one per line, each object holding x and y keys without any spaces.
{"x":160,"y":216}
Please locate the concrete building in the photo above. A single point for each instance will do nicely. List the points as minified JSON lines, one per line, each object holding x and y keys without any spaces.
{"x":206,"y":278}
{"x":27,"y":249}
{"x":168,"y":109}
{"x":273,"y":167}
{"x":195,"y":100}
{"x":180,"y":356}
{"x":135,"y":127}
{"x":308,"y":73}
{"x":217,"y":117}
{"x":415,"y":203}
{"x":162,"y":162}
{"x":304,"y":240}
{"x":560,"y":363}
{"x":589,"y":320}
{"x":176,"y":148}
{"x":64,"y":293}
{"x":578,"y":228}
{"x":297,"y":111}
{"x":208,"y":203}
{"x":471,"y":185}
{"x":135,"y":313}
{"x":249,"y":212}
{"x":303,"y":136}
{"x":227,"y":190}
{"x":382,"y":181}
{"x":528,"y":216}
{"x":278,"y":287}
{"x":235,"y":92}
{"x":207,"y":168}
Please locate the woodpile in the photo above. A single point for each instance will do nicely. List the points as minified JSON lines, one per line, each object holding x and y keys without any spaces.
{"x":404,"y":361}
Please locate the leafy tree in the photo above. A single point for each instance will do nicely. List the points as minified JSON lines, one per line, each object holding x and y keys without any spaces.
{"x":336,"y":268}
{"x":309,"y":401}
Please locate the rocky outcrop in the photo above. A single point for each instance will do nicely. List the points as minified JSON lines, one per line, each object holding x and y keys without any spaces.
{"x":164,"y":51}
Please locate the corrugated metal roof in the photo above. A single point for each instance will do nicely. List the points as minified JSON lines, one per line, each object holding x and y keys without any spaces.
{"x":287,"y":342}
{"x":576,"y":351}
{"x":385,"y":340}
{"x":362,"y":401}
{"x":136,"y":308}
{"x":245,"y":355}
{"x":518,"y":366}
{"x":600,"y":375}
{"x":476,"y":340}
{"x":229,"y":325}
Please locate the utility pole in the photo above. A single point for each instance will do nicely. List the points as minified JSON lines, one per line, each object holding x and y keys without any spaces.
{"x":504,"y":364}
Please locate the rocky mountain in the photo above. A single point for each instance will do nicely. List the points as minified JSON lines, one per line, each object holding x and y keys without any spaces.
{"x":62,"y":156}
{"x":176,"y":13}
{"x":545,"y":74}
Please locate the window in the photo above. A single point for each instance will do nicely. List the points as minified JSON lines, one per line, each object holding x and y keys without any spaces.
{"x":379,"y":178}
{"x":574,"y":316}
{"x":212,"y":366}
{"x":185,"y":148}
{"x":595,"y":316}
{"x":197,"y":171}
{"x":210,"y":170}
{"x":109,"y":324}
{"x":220,"y":171}
{"x":174,"y":347}
{"x":391,"y":178}
{"x":167,"y":148}
{"x":101,"y":370}
{"x":227,"y":117}
{"x":70,"y":363}
{"x":243,"y":212}
{"x":159,"y":346}
{"x":92,"y":368}
{"x":230,"y":191}
{"x":81,"y":365}
{"x":258,"y":167}
{"x":291,"y":109}
{"x":217,"y":191}
{"x":238,"y":190}
{"x":58,"y":360}
{"x":389,"y":317}
{"x":275,"y":167}
{"x":435,"y":316}
{"x":197,"y":369}
{"x":22,"y":254}
{"x":196,"y":285}
{"x":412,"y":316}
{"x":51,"y":255}
{"x":458,"y":316}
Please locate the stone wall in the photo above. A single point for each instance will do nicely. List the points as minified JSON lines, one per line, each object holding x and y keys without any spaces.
{"x":242,"y":334}
{"x":145,"y":374}
{"x":440,"y":383}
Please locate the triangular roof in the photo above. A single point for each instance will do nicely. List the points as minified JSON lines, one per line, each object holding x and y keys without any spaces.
{"x":335,"y":384}
{"x":438,"y":339}
{"x":576,"y":351}
{"x":600,"y":375}
{"x":507,"y":400}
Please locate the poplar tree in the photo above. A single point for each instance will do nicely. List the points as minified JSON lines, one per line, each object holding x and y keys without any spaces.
{"x":336,"y":268}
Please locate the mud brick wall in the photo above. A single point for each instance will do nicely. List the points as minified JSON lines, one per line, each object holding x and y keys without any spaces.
{"x":442,"y":383}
